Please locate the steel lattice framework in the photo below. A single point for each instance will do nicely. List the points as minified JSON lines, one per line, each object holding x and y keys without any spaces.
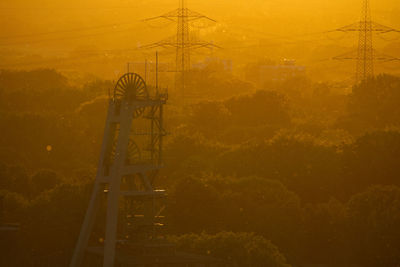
{"x":365,"y":54}
{"x":184,"y":42}
{"x":130,"y":158}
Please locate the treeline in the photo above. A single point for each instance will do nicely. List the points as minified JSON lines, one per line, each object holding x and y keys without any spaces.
{"x":315,"y":172}
{"x":294,"y":173}
{"x":363,"y":230}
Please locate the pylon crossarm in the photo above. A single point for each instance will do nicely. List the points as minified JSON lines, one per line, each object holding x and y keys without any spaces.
{"x":193,"y":15}
{"x":169,"y":16}
{"x":382,"y":28}
{"x":203,"y":44}
{"x":371,"y":26}
{"x":349,"y":28}
{"x":376,"y":56}
{"x":384,"y":57}
{"x":177,"y":13}
{"x":178,"y":45}
{"x":170,"y":41}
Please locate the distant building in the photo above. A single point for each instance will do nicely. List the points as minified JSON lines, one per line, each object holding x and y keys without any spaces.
{"x":210,"y":61}
{"x":285,"y":70}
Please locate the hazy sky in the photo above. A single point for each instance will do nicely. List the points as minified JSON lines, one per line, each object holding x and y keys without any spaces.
{"x":281,"y":15}
{"x":58,"y":27}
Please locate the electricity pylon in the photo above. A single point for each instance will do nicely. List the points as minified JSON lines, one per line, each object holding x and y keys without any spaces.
{"x":365,"y":54}
{"x":183,"y":41}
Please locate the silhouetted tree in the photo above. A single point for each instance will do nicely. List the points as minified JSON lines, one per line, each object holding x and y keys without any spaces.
{"x":373,"y":104}
{"x":372,"y":159}
{"x":44,"y":180}
{"x":236,"y":249}
{"x":325,"y":232}
{"x":374,"y":233}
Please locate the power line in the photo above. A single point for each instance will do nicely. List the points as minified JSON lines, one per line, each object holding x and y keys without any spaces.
{"x":84,"y":55}
{"x":365,"y":54}
{"x":64,"y":8}
{"x":65,"y":38}
{"x":183,"y":41}
{"x":63,"y":31}
{"x":41,"y":62}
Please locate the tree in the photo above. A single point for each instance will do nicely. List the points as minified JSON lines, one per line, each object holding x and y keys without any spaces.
{"x":44,"y":180}
{"x":325,"y":239}
{"x":210,"y":118}
{"x":372,"y":159}
{"x":52,"y":224}
{"x":253,"y":204}
{"x":36,"y":80}
{"x":309,"y":169}
{"x":373,"y":104}
{"x":236,"y":249}
{"x":374,"y":233}
{"x":262,"y":107}
{"x":190,"y":154}
{"x":19,"y":180}
{"x":214,"y":82}
{"x":195,"y":207}
{"x":238,"y":119}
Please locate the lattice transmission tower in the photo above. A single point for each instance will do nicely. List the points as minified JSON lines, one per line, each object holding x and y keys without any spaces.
{"x":365,"y":55}
{"x":184,"y":41}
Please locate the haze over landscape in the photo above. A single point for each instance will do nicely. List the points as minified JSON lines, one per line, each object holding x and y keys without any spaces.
{"x":232,"y":133}
{"x":91,"y":33}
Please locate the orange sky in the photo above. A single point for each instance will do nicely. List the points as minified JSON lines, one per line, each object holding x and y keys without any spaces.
{"x":57,"y":28}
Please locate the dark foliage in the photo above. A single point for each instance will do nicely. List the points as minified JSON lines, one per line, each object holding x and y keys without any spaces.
{"x":289,"y":163}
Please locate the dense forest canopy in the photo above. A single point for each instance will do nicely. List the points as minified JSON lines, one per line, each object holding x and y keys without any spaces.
{"x":290,"y":173}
